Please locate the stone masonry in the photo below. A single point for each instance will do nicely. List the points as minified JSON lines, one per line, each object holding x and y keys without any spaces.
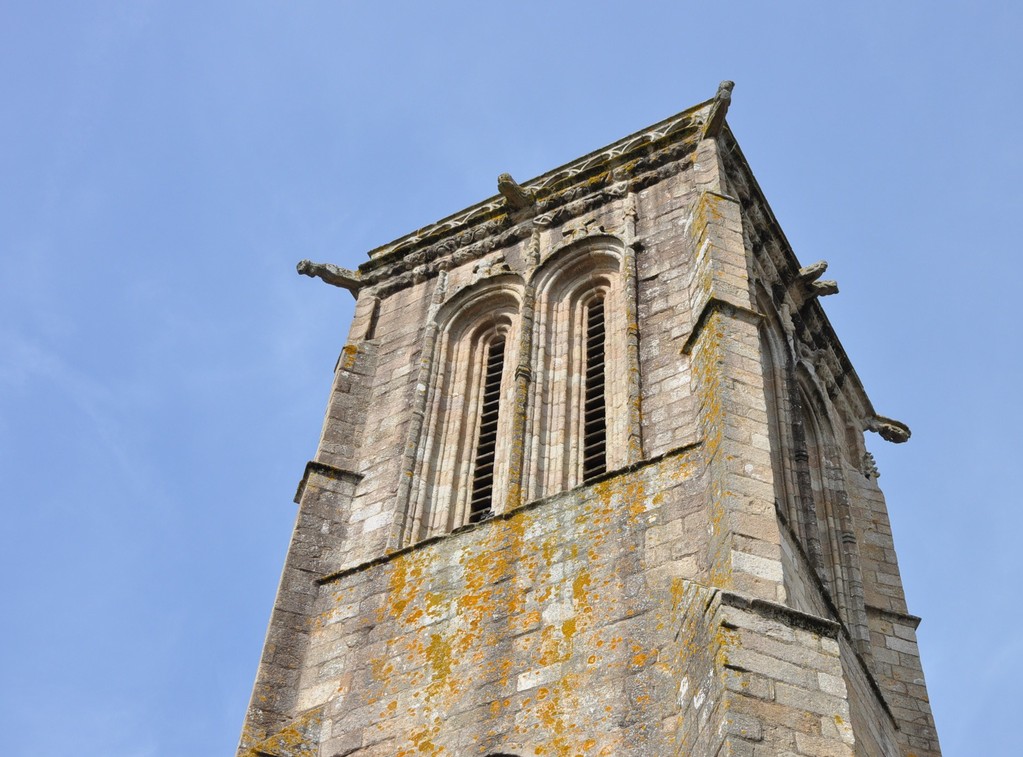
{"x":592,"y":481}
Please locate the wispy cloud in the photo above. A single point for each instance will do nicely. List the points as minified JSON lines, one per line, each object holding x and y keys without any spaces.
{"x":31,"y":371}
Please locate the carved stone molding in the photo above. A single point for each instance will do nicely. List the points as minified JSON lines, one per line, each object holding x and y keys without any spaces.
{"x":630,"y":164}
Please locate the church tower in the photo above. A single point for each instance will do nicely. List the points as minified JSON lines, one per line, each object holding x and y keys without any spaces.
{"x":593,"y":481}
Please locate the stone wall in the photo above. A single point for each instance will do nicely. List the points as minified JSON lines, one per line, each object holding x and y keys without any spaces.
{"x":549,"y":630}
{"x":700,"y":597}
{"x":580,"y":624}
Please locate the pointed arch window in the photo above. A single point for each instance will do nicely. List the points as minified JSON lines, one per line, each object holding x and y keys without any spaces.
{"x":808,"y":476}
{"x":776,"y":390}
{"x":461,"y":472}
{"x":825,"y":484}
{"x":578,"y":424}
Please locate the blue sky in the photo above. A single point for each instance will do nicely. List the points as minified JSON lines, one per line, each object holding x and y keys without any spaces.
{"x":163,"y":370}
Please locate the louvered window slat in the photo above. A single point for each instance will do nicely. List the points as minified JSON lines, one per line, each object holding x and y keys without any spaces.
{"x":594,"y":405}
{"x":486,"y":446}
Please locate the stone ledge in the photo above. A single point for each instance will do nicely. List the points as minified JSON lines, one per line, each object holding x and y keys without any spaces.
{"x":323,"y":469}
{"x":902,"y":617}
{"x":782,"y":613}
{"x":508,"y":515}
{"x":715,"y":305}
{"x":814,"y":624}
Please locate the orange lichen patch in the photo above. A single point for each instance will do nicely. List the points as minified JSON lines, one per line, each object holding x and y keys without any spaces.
{"x":532,"y":618}
{"x":579,"y":588}
{"x":438,"y":655}
{"x":349,"y":354}
{"x":380,"y":669}
{"x":642,"y":659}
{"x":552,"y":649}
{"x":547,"y":549}
{"x":434,"y":602}
{"x":404,"y":584}
{"x":561,"y":735}
{"x":726,"y":639}
{"x":476,"y":611}
{"x":421,"y":743}
{"x":468,"y":602}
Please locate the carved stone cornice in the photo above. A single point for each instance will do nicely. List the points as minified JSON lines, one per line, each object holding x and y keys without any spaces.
{"x":630,"y":164}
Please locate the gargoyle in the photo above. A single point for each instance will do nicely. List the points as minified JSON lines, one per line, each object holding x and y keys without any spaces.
{"x":889,"y":429}
{"x":806,"y":285}
{"x":718,"y":110}
{"x":332,"y":274}
{"x":516,"y":197}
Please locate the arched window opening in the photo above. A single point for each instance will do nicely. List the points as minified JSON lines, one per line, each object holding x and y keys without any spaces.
{"x":839,"y":566}
{"x":826,"y":528}
{"x":579,"y":422}
{"x":781,"y":444}
{"x":480,"y":506}
{"x":595,"y":405}
{"x":462,"y":471}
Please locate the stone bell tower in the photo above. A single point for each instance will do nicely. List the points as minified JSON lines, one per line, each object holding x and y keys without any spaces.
{"x":593,"y":481}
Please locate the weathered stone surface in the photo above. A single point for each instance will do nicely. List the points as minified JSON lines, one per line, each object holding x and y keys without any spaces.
{"x":721,"y":581}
